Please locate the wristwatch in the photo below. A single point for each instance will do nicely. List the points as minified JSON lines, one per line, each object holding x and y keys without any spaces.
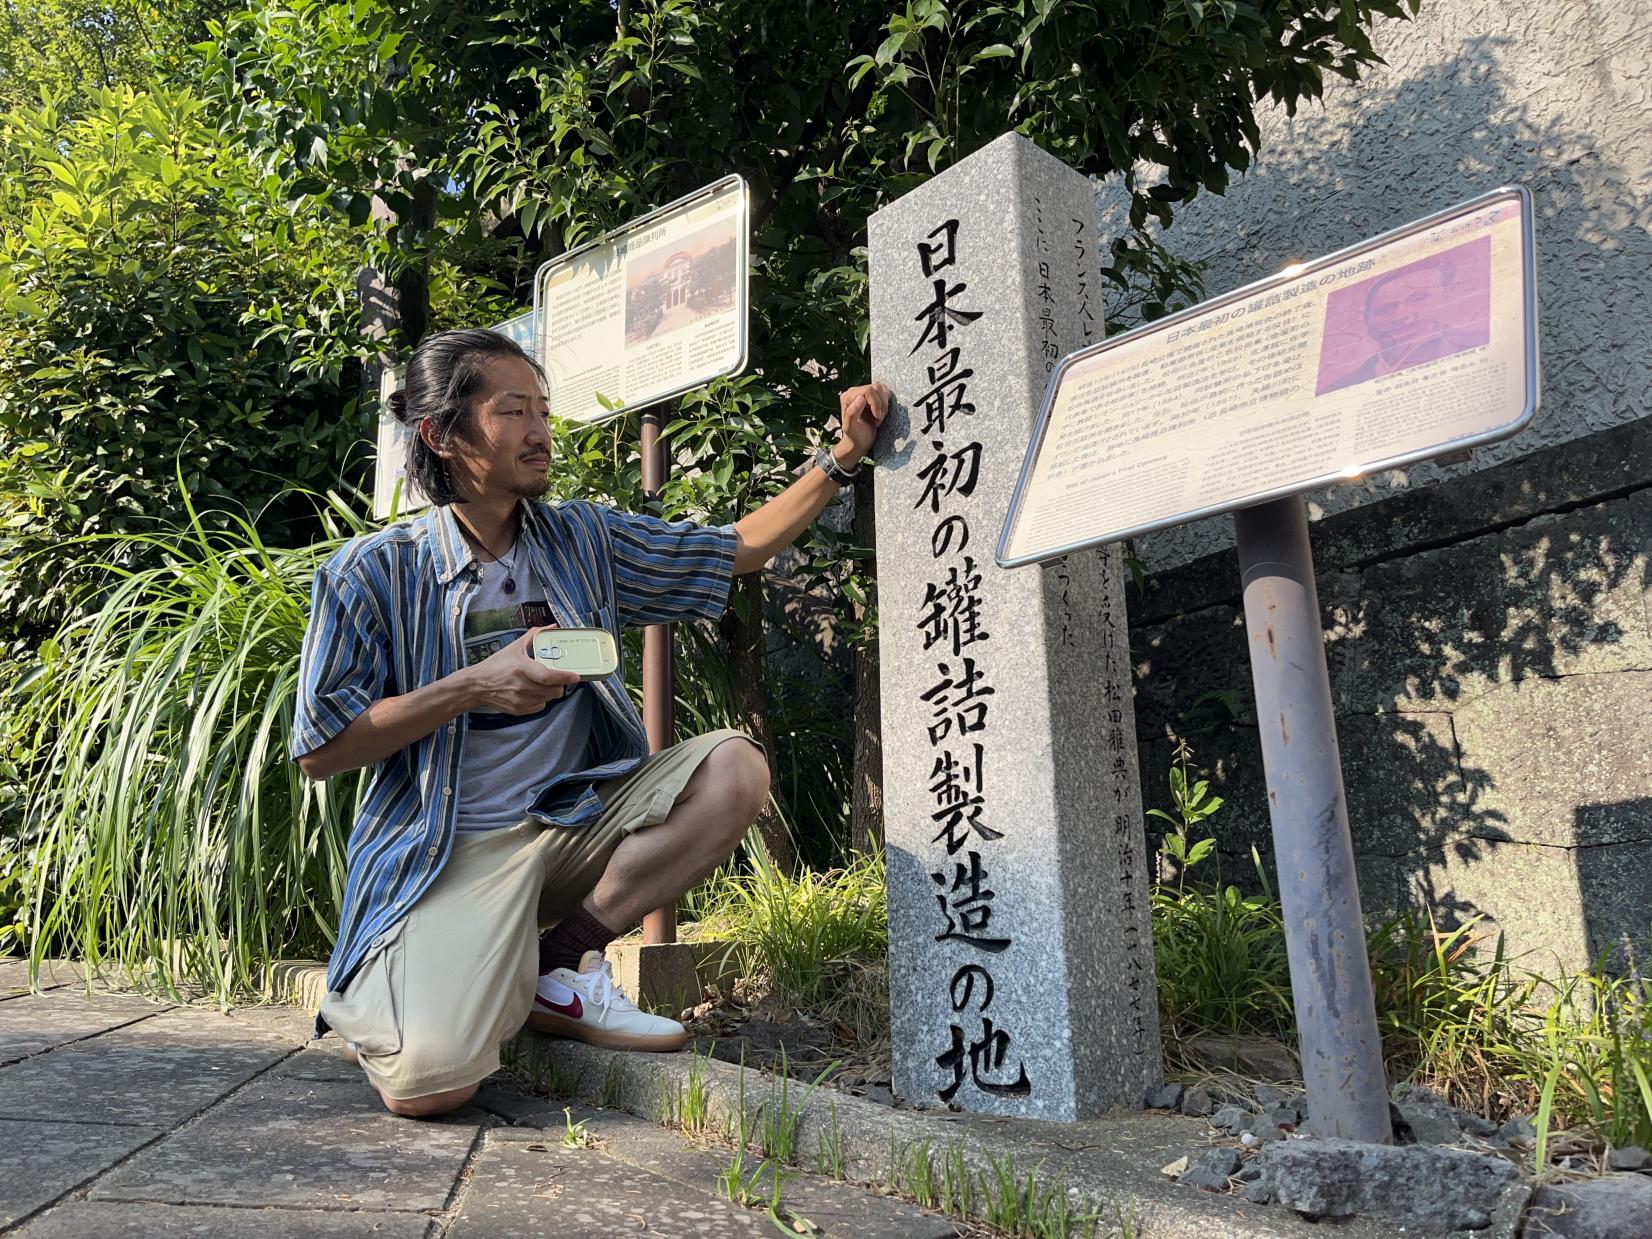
{"x":827,"y":464}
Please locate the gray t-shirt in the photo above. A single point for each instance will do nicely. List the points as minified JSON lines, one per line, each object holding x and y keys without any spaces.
{"x":508,"y":758}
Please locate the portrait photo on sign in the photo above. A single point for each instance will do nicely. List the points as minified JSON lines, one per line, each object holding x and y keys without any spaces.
{"x":1428,"y":309}
{"x":677,"y":284}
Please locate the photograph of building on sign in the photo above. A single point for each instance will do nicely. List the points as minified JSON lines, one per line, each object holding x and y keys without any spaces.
{"x":677,"y":285}
{"x":1435,"y":307}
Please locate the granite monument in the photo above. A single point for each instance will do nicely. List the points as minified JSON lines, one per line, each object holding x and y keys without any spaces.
{"x":1021,"y":956}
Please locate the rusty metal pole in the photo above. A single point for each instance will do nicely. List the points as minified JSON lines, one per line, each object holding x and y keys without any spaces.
{"x":1336,"y":1015}
{"x":658,"y":678}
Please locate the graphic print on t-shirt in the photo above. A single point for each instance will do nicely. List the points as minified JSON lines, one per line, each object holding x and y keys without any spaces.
{"x":489,"y":631}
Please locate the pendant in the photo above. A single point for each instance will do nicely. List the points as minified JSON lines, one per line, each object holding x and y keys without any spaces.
{"x":510,"y":584}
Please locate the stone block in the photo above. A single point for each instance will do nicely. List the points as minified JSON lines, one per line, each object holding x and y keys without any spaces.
{"x":523,"y":1191}
{"x":1181,"y":663}
{"x":1167,"y":1098}
{"x":1404,"y":788}
{"x":1410,"y":1186}
{"x":1564,"y":759}
{"x":14,"y":974}
{"x":1423,"y":1116}
{"x":301,"y":983}
{"x":1197,"y":1101}
{"x":1525,"y":892}
{"x":1614,"y":883}
{"x":1021,"y":968}
{"x":1618,"y":1205}
{"x":1557,"y":596}
{"x":1210,"y":1170}
{"x":1631,"y":1157}
{"x":311,"y":1143}
{"x":40,"y":1161}
{"x":79,"y":1219}
{"x":669,"y":977}
{"x":159,"y":1072}
{"x":1257,"y":1192}
{"x":1466,"y":104}
{"x":835,"y":1208}
{"x":1257,"y":1058}
{"x":1230,"y":1118}
{"x":32,"y":1023}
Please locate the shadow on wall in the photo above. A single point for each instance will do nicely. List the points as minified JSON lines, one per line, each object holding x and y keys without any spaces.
{"x":1615,"y":882}
{"x":1488,"y":689}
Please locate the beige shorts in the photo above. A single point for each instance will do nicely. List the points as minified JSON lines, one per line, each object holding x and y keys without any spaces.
{"x":443,"y":987}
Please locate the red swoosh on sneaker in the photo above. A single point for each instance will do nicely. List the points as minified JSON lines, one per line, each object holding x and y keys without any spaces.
{"x":573,"y":1009}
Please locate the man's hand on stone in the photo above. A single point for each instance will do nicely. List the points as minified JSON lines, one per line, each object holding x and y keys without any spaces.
{"x":513,"y":681}
{"x":861,"y":410}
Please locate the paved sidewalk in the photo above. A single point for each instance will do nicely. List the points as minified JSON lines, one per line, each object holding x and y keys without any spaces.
{"x":120,"y":1117}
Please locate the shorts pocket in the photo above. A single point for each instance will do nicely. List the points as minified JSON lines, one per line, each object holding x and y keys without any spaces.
{"x":368,"y":1012}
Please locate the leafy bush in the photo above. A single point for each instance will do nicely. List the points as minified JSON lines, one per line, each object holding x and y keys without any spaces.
{"x":164,"y":312}
{"x":168,"y":839}
{"x":817,"y":941}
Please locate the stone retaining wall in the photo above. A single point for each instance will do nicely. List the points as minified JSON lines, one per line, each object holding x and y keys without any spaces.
{"x":1494,"y":696}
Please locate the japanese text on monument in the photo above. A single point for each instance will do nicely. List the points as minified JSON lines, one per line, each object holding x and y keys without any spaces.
{"x":954,"y":630}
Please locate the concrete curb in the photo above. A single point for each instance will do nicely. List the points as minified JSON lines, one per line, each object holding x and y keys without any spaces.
{"x":1108,"y":1165}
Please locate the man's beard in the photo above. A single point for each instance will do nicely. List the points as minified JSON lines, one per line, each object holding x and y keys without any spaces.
{"x":533,"y":490}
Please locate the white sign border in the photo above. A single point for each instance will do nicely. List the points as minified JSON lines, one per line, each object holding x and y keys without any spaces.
{"x":743,"y":295}
{"x":1288,"y":276}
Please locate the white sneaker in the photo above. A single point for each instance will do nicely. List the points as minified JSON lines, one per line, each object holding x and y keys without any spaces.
{"x":588,"y":1006}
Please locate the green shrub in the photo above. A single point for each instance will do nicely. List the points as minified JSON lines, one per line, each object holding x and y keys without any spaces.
{"x":168,"y":839}
{"x":165,"y":835}
{"x":818,"y":941}
{"x":163,"y":312}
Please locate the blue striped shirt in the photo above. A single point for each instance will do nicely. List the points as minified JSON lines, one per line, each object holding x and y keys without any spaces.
{"x":388,"y":616}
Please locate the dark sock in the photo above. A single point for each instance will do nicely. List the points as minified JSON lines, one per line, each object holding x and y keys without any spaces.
{"x":565,"y":943}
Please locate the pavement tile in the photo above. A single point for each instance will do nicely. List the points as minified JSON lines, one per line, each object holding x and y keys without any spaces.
{"x":541,"y":1190}
{"x":303,"y":1143}
{"x":41,"y":1161}
{"x":157,"y":1072}
{"x":321,"y":1060}
{"x":36,"y":1022}
{"x":288,"y":1023}
{"x":82,"y":1218}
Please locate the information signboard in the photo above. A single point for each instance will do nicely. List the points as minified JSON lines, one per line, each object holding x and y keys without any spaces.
{"x":393,"y":438}
{"x":1419,"y":343}
{"x":650,"y":310}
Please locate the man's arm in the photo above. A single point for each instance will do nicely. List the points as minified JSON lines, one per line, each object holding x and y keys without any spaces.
{"x":510,"y":681}
{"x":761,"y":535}
{"x":388,"y":726}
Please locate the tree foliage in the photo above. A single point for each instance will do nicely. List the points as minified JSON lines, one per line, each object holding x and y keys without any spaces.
{"x":501,"y":134}
{"x":166,"y":310}
{"x":68,"y":48}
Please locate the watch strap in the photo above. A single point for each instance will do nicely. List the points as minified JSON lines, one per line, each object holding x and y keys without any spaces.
{"x":827,"y":463}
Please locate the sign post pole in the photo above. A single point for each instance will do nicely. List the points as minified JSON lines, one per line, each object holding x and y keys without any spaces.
{"x":658,"y":674}
{"x":1336,"y":1014}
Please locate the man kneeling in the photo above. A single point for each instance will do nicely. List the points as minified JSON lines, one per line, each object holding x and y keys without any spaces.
{"x":507,"y":796}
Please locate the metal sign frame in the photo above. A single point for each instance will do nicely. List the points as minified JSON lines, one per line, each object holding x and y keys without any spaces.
{"x":654,"y":217}
{"x":1290,"y":276}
